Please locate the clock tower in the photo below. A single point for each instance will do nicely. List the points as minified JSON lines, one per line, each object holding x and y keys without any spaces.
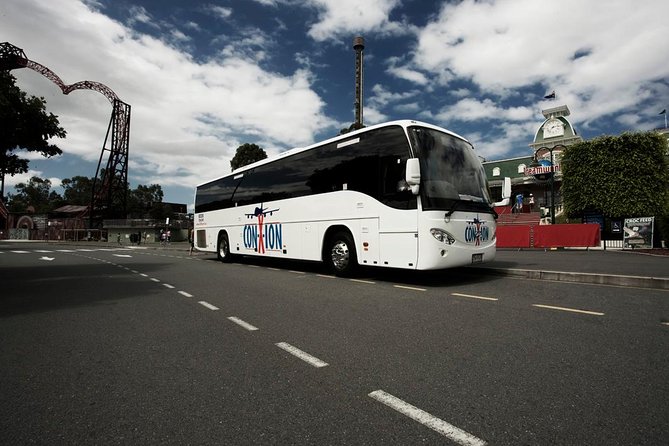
{"x":556,"y":130}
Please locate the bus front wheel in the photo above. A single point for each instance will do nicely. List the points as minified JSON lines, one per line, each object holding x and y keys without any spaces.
{"x":224,"y":248}
{"x":340,"y":255}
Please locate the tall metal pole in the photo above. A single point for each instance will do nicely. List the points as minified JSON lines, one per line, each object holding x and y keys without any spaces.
{"x":358,"y":46}
{"x":552,"y":187}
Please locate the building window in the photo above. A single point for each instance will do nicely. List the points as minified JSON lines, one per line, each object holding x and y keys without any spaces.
{"x":495,"y":171}
{"x":521,"y":168}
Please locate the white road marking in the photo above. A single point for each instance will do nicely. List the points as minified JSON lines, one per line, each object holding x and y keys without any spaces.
{"x":242,"y":323}
{"x":409,"y":288}
{"x":326,"y":276}
{"x":133,"y":271}
{"x":20,"y":252}
{"x":208,"y":305}
{"x":64,"y":250}
{"x":297,"y":272}
{"x":155,"y":280}
{"x":167,"y":285}
{"x":121,"y":255}
{"x":362,"y":281}
{"x":143,"y":275}
{"x":473,"y":297}
{"x":304,"y":356}
{"x":446,"y":429}
{"x":183,"y":293}
{"x":572,"y":310}
{"x":41,"y":251}
{"x":665,"y":323}
{"x":47,"y":258}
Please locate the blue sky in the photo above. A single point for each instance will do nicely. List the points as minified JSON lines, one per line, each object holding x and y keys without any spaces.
{"x":205,"y":77}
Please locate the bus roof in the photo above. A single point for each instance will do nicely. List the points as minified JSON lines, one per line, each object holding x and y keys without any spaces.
{"x":403,"y":123}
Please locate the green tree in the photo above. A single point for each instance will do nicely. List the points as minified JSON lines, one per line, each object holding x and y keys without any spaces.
{"x":77,"y":190}
{"x":146,"y":200}
{"x":34,"y":196}
{"x":619,"y":176}
{"x":25,"y":126}
{"x":247,"y":154}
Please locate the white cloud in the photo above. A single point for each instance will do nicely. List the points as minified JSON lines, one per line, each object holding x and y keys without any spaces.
{"x":470,"y":109}
{"x":220,"y":11}
{"x":599,"y":59}
{"x":11,"y":181}
{"x":381,"y":96}
{"x":403,"y":71}
{"x":373,"y":116}
{"x":187,"y":117}
{"x":348,"y":17}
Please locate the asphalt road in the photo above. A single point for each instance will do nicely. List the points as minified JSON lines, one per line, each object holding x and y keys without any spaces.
{"x":140,"y":346}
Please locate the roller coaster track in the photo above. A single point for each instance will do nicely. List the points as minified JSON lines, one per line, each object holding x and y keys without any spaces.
{"x":111,"y":183}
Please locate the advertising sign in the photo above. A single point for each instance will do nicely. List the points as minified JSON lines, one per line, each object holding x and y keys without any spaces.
{"x":638,"y":232}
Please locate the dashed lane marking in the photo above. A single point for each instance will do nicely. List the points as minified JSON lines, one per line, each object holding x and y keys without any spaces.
{"x":444,"y":428}
{"x":167,"y":285}
{"x":571,"y":310}
{"x":362,"y":281}
{"x":208,"y":305}
{"x":155,"y":280}
{"x":304,"y":356}
{"x":413,"y":288}
{"x":242,"y":323}
{"x":183,"y":293}
{"x":471,"y":296}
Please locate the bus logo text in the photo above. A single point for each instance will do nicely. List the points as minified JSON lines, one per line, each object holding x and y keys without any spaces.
{"x":262,"y":236}
{"x":477,"y":232}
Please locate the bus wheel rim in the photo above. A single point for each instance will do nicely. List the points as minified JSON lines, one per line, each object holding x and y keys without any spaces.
{"x":340,"y":255}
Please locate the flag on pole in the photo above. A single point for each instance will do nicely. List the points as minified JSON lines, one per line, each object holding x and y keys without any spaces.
{"x":550,"y":96}
{"x":663,"y":112}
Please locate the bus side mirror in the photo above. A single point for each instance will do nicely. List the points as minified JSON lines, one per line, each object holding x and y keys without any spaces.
{"x":412,"y":175}
{"x":506,"y":193}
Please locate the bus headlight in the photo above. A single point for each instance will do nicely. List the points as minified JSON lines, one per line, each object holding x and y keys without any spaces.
{"x":442,"y":236}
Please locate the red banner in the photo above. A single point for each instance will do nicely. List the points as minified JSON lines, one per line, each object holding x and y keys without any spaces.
{"x":566,"y":235}
{"x":548,"y":236}
{"x":513,"y":236}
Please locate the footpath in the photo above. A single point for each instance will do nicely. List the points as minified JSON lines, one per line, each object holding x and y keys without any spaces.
{"x":612,"y":267}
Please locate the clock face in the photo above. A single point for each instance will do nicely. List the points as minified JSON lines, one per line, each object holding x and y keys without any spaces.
{"x":553,"y":128}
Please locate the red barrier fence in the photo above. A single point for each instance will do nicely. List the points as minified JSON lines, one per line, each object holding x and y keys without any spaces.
{"x":548,"y":236}
{"x":513,"y":236}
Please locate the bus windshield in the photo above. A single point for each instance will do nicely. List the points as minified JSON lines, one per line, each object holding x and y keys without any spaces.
{"x":452,"y":177}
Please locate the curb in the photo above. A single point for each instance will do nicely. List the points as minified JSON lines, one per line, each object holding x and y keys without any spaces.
{"x":591,"y":278}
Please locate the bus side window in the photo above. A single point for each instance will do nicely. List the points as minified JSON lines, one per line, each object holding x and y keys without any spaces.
{"x":392,"y":179}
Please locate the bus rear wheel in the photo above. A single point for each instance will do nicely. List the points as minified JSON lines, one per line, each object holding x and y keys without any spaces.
{"x":340,"y":255}
{"x":224,"y":248}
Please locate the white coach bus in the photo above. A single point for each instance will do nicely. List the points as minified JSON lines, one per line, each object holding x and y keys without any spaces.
{"x":403,"y":194}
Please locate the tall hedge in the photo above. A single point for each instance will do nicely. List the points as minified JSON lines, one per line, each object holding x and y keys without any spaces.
{"x":619,"y":176}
